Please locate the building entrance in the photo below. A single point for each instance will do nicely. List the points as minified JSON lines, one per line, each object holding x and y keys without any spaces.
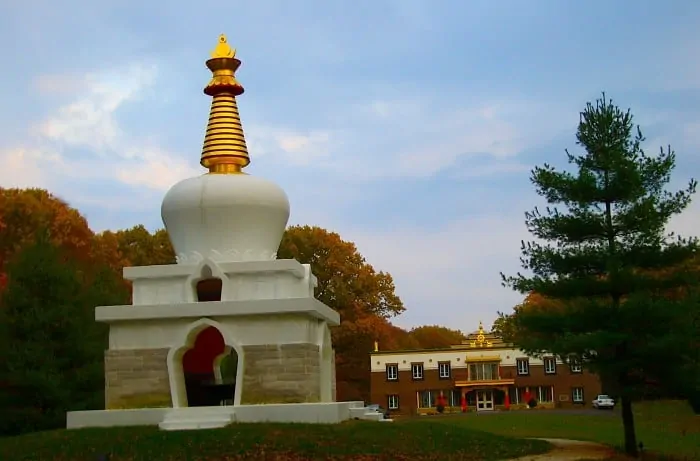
{"x":484,"y":400}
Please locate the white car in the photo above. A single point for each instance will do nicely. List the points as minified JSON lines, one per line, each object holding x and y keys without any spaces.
{"x":604,"y":402}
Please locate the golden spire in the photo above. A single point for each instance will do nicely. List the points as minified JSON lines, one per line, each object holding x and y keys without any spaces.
{"x":376,"y":346}
{"x":224,"y":148}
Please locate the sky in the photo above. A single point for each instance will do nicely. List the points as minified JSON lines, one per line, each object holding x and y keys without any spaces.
{"x":409,"y":127}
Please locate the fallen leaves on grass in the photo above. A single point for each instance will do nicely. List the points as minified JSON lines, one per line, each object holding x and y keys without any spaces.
{"x":356,"y":441}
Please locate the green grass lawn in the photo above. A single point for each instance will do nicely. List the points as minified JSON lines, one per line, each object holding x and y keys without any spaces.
{"x":355,"y":440}
{"x":668,"y":428}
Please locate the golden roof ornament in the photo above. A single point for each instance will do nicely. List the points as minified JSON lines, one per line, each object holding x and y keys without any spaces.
{"x":225,"y":150}
{"x":481,"y":340}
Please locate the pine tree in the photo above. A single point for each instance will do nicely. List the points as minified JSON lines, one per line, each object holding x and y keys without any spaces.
{"x":54,"y":358}
{"x":603,"y":258}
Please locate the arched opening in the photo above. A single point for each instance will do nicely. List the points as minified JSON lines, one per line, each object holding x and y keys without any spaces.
{"x":209,"y":290}
{"x":208,"y":287}
{"x":210,"y":377}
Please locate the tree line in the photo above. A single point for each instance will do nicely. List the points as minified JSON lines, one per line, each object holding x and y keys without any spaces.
{"x":54,"y":270}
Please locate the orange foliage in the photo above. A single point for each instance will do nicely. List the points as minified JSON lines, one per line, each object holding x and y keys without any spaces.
{"x":139,"y":247}
{"x":353,"y":341}
{"x":106,"y":249}
{"x":25,"y":211}
{"x":346,"y":282}
{"x":537,"y":301}
{"x":436,"y":337}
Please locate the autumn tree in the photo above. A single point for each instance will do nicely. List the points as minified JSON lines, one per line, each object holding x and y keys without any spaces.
{"x":601,"y":246}
{"x":504,"y":326}
{"x":346,"y":282}
{"x":364,"y":298}
{"x":107,"y":251}
{"x":52,"y":347}
{"x":141,"y":248}
{"x":436,"y":337}
{"x":23,"y":211}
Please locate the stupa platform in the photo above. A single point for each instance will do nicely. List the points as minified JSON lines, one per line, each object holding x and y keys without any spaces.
{"x":215,"y":417}
{"x":293,"y":307}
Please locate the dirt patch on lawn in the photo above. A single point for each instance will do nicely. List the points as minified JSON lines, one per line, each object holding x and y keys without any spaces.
{"x":571,"y":450}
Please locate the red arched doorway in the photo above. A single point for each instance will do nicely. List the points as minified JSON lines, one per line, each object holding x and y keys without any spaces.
{"x":206,"y":381}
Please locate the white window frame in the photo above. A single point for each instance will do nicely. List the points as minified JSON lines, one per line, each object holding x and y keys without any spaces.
{"x":393,"y":402}
{"x":523,"y":370}
{"x":392,"y":376}
{"x":577,"y":392}
{"x":444,"y":370}
{"x":550,"y":370}
{"x":576,"y":366}
{"x":417,"y":371}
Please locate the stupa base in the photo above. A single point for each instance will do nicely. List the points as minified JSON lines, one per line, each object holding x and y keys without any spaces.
{"x":213,"y":417}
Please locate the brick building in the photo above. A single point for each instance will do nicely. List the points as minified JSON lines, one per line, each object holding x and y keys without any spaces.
{"x":483,"y":372}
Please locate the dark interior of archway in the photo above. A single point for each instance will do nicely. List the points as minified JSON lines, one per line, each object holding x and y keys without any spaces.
{"x":198,"y":367}
{"x":209,"y":290}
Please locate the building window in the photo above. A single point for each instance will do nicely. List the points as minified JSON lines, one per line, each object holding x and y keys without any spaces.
{"x":545,"y":394}
{"x":417,"y":370}
{"x":577,"y":394}
{"x":575,"y":366}
{"x":392,"y":372}
{"x":523,"y":366}
{"x":427,"y":399}
{"x":455,"y":398}
{"x":485,"y":371}
{"x":514,"y":394}
{"x":393,"y":402}
{"x":550,"y":366}
{"x":525,"y":394}
{"x":444,"y":370}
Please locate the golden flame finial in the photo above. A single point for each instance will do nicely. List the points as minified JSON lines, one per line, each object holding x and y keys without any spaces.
{"x":223,"y":49}
{"x":225,"y":149}
{"x":376,"y":346}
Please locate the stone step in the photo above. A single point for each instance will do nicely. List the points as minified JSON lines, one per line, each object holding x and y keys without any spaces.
{"x":200,"y":413}
{"x":357,"y":412}
{"x":197,"y":418}
{"x":191,"y":425}
{"x":372,"y":416}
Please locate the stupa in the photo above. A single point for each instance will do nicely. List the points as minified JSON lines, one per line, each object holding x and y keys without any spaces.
{"x":228,"y":333}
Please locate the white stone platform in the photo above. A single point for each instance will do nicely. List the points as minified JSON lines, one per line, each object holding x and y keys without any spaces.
{"x":213,"y":417}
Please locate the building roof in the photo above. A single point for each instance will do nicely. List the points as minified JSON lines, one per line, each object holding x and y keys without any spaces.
{"x":476,"y":340}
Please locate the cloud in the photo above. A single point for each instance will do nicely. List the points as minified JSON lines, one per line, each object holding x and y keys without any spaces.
{"x":90,"y":119}
{"x":85,"y":138}
{"x":295,"y":147}
{"x":493,"y":169}
{"x":27,"y":167}
{"x":413,"y":138}
{"x":449,"y":274}
{"x":156,"y":169}
{"x":425,"y":140}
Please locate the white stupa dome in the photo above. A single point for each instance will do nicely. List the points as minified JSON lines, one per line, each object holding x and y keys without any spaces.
{"x":225,"y":215}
